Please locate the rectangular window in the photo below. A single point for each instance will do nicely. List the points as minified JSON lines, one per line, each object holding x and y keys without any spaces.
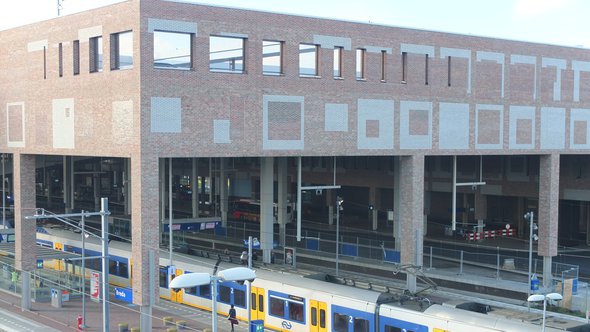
{"x":122,"y":50}
{"x":60,"y":51}
{"x":76,"y":57}
{"x":224,"y":294}
{"x":308,"y":60}
{"x":277,"y":307}
{"x":226,"y":54}
{"x":96,"y":54}
{"x":361,"y":325}
{"x":383,"y":66}
{"x":205,"y":291}
{"x":360,"y":64}
{"x":337,"y":62}
{"x":272,"y":57}
{"x":163,"y":276}
{"x":239,"y":298}
{"x":404,"y":66}
{"x":449,"y":70}
{"x":172,"y":50}
{"x":340,"y":322}
{"x":426,"y":70}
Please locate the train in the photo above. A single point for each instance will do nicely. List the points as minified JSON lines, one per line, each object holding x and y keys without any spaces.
{"x":292,"y":302}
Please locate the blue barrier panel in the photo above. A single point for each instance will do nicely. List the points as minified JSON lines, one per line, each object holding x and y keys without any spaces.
{"x":349,"y":249}
{"x":312,"y":244}
{"x":220,"y":231}
{"x":575,"y":286}
{"x":392,"y":256}
{"x":257,"y":326}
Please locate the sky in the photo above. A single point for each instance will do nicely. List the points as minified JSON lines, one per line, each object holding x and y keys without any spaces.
{"x":558,"y":22}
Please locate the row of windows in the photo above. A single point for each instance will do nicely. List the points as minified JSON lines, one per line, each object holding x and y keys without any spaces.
{"x":173,"y":50}
{"x":121,"y":54}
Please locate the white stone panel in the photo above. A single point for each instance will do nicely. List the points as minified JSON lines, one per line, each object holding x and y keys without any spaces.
{"x":332,"y":41}
{"x":530,"y":60}
{"x":577,"y":67}
{"x":378,"y":49}
{"x":85,"y":34}
{"x":417,"y":49}
{"x":459,"y":53}
{"x":171,"y":25}
{"x":552,"y":128}
{"x":380,"y":110}
{"x":336,"y":117}
{"x":519,"y":113}
{"x":63,"y":123}
{"x":295,"y":144}
{"x":407,"y":140}
{"x":580,"y":114}
{"x":38,"y":45}
{"x":166,"y":115}
{"x":559,"y":64}
{"x":453,"y":126}
{"x":221,"y":131}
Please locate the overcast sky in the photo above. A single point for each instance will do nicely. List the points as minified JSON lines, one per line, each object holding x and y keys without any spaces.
{"x":560,"y":22}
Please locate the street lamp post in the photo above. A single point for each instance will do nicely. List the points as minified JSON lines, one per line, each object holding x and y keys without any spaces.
{"x":541,"y":297}
{"x":189,"y":280}
{"x":339,"y":201}
{"x":530,"y":216}
{"x":83,"y":272}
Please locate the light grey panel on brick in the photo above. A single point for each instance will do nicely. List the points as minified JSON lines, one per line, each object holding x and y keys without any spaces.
{"x":122,"y":121}
{"x":441,"y":186}
{"x":336,"y":117}
{"x":332,"y":41}
{"x":63,"y":123}
{"x":171,"y":25}
{"x":453,"y":126}
{"x":579,"y":66}
{"x":520,"y":113}
{"x":407,"y":140}
{"x":378,"y":49}
{"x":221,"y":131}
{"x":15,"y":125}
{"x":417,"y":49}
{"x":552,"y":128}
{"x":166,"y":115}
{"x":379,"y":110}
{"x":527,"y":59}
{"x":233,"y":34}
{"x":38,"y":45}
{"x":85,"y":34}
{"x":559,"y":64}
{"x":493,"y":56}
{"x":459,"y":53}
{"x":282,"y":144}
{"x":576,"y":194}
{"x":580,"y":115}
{"x":491,"y":189}
{"x":480,"y":109}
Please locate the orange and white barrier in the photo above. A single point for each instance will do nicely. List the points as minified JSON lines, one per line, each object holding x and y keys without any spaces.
{"x":490,"y":234}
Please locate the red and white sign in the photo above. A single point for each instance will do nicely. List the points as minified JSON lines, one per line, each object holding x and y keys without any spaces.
{"x":95,"y":286}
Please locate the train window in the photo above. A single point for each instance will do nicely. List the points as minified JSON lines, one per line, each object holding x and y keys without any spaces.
{"x":253,"y":301}
{"x":340,"y":322}
{"x":119,"y":269}
{"x":323,"y":318}
{"x":224,"y":294}
{"x":205,"y":291}
{"x":314,"y":318}
{"x":296,"y":311}
{"x":277,"y":307}
{"x":361,"y":325}
{"x":163,"y":277}
{"x":191,"y":290}
{"x":261,"y":303}
{"x":389,"y":328}
{"x":239,"y":298}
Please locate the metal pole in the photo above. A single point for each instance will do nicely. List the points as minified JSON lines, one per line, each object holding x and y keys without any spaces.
{"x":461,"y":264}
{"x":170,"y":207}
{"x":454,"y":201}
{"x":337,"y":231}
{"x":105,"y":262}
{"x":544,"y":310}
{"x":249,"y":252}
{"x":431,"y":257}
{"x":214,"y":299}
{"x":530,"y":217}
{"x":498,"y":263}
{"x":83,"y":271}
{"x":4,"y":195}
{"x":298,"y":199}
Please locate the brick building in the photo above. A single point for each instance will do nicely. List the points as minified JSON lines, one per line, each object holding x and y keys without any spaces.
{"x":150,"y":83}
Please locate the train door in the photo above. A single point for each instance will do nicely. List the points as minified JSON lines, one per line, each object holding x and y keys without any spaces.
{"x":317,"y":314}
{"x":257,"y":303}
{"x":176,"y":296}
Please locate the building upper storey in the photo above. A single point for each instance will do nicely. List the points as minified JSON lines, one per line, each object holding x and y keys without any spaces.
{"x":174,"y":79}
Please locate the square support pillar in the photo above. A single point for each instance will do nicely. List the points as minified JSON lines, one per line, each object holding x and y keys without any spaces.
{"x":548,"y":212}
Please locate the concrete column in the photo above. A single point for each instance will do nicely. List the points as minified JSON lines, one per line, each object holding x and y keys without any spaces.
{"x":127,"y":185}
{"x":25,"y":234}
{"x":223,"y":191}
{"x":195,"y":187}
{"x":67,"y":184}
{"x":481,"y":209}
{"x":396,"y":203}
{"x":372,"y":215}
{"x":331,"y":202}
{"x":144,"y":226}
{"x":96,"y":184}
{"x":412,"y":214}
{"x":266,"y":206}
{"x":548,"y":212}
{"x":283,"y":183}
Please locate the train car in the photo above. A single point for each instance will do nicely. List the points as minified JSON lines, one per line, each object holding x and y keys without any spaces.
{"x":289,"y":302}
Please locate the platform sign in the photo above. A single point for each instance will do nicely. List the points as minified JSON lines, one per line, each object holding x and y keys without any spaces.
{"x":39,"y":264}
{"x":289,"y":254}
{"x":95,"y":286}
{"x":124,"y":294}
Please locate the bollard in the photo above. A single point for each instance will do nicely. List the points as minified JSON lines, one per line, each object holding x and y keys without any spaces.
{"x":123,"y":327}
{"x":79,"y":322}
{"x":168,"y":321}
